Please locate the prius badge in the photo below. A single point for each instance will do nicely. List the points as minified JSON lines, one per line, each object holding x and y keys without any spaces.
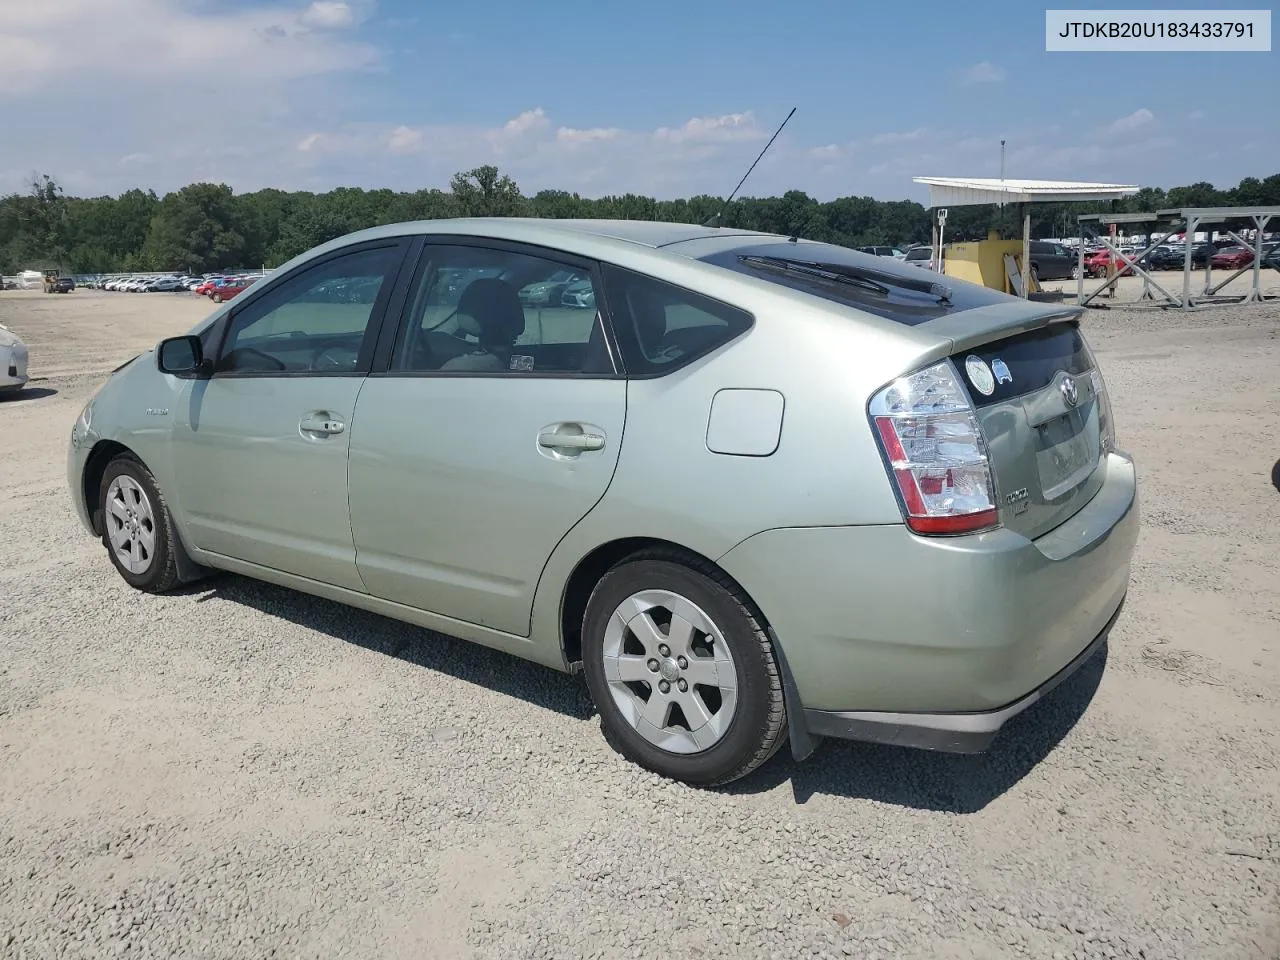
{"x":1069,"y":392}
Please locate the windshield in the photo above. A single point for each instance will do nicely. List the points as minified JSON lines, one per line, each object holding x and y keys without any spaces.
{"x":881,"y":286}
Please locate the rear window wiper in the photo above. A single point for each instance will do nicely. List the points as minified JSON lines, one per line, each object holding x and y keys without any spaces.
{"x":875,"y":280}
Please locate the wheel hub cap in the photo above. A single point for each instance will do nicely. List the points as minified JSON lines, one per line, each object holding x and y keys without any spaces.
{"x":130,"y":524}
{"x":670,"y":672}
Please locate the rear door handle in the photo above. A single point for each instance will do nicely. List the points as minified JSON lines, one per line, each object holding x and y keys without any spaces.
{"x":571,"y":441}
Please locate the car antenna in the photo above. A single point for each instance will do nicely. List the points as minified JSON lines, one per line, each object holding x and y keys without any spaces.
{"x":719,"y":215}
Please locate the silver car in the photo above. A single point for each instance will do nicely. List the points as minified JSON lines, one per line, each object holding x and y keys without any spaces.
{"x":766,"y":491}
{"x":13,"y":361}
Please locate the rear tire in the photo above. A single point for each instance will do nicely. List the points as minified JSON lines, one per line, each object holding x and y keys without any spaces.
{"x":660,"y":625}
{"x":137,"y":529}
{"x":216,"y":297}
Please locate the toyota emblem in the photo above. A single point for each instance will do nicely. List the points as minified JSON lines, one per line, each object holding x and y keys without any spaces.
{"x":1069,"y":392}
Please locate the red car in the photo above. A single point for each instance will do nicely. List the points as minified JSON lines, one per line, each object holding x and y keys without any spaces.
{"x":1232,"y":258}
{"x":1095,"y":264}
{"x":230,"y":288}
{"x":206,"y":288}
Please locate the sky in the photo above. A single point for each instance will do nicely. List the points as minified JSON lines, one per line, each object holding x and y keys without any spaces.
{"x":660,"y":98}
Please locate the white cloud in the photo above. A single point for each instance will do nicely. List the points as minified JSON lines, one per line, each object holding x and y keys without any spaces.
{"x":984,"y":72}
{"x":85,"y":44}
{"x":309,"y":142}
{"x":531,"y":121}
{"x":1134,"y":121}
{"x":570,"y":135}
{"x":730,"y":126}
{"x":404,"y":140}
{"x":830,"y":151}
{"x":328,"y":15}
{"x":895,"y":138}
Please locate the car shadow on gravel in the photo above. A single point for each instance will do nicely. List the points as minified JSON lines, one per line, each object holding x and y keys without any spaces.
{"x":28,"y":393}
{"x":927,"y":780}
{"x":467,"y":661}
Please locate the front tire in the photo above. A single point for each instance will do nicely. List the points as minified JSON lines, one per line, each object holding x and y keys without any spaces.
{"x":216,"y":297}
{"x":137,"y":529}
{"x":681,"y":669}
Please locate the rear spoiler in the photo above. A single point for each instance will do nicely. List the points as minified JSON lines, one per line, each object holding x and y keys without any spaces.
{"x":970,"y":328}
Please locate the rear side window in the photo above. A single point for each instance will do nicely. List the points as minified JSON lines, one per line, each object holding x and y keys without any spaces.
{"x":661,"y":327}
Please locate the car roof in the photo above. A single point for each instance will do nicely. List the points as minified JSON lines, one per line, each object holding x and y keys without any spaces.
{"x":647,"y":233}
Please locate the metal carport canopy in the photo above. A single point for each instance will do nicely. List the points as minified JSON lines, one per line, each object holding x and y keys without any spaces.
{"x":968,"y":191}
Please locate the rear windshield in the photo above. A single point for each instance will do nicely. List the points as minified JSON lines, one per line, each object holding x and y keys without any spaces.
{"x":877,"y":285}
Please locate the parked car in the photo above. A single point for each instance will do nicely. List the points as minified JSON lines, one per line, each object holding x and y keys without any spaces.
{"x":937,"y":532}
{"x":1095,"y":264}
{"x":13,"y":361}
{"x":580,"y":295}
{"x":882,"y":251}
{"x":232,"y":287}
{"x":1052,"y":261}
{"x":1232,"y":258}
{"x":1167,"y":257}
{"x":547,"y":292}
{"x":921,"y":256}
{"x":64,"y":285}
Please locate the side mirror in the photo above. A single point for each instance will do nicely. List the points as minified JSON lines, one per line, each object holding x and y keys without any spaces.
{"x":182,"y":357}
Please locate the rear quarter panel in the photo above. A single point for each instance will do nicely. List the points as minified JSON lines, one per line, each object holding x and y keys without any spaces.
{"x":826,"y":469}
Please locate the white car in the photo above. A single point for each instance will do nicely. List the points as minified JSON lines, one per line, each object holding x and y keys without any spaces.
{"x":13,"y":361}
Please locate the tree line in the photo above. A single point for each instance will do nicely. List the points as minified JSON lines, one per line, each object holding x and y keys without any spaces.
{"x":206,"y":226}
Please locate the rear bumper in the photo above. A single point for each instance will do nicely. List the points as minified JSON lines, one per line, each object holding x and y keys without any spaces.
{"x":887,"y":635}
{"x":948,"y":732}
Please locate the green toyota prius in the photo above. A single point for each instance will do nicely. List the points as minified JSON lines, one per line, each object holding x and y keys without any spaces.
{"x":760,"y":490}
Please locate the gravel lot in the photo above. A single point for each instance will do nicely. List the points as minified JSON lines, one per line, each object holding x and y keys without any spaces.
{"x":240,"y":771}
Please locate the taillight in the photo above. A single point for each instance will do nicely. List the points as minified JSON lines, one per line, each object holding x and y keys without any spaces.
{"x":936,"y":453}
{"x":1106,"y":425}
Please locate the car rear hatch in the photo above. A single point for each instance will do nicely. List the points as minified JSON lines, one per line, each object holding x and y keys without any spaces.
{"x":1041,"y":404}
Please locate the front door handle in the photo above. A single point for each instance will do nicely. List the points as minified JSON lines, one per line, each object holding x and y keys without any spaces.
{"x":570,"y":440}
{"x":321,"y":423}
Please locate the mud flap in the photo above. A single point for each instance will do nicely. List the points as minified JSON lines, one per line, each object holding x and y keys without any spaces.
{"x":803,"y":743}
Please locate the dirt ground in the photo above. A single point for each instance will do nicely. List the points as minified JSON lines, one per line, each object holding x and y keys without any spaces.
{"x":239,"y":771}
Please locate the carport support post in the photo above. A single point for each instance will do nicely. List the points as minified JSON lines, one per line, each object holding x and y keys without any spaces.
{"x":1026,"y":252}
{"x":1190,"y":237}
{"x":1080,"y":267}
{"x":1260,"y":222}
